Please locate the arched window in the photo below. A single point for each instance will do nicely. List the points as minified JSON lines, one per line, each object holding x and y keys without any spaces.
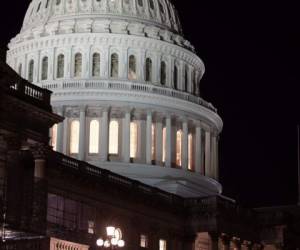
{"x":175,"y":77}
{"x":96,"y":65}
{"x":78,"y":65}
{"x":114,"y":67}
{"x":20,"y":69}
{"x":45,"y":68}
{"x":164,"y":144}
{"x":193,"y":82}
{"x":60,"y":66}
{"x":153,"y":141}
{"x":190,"y":152}
{"x":186,"y":78}
{"x":163,"y":73}
{"x":54,"y":137}
{"x":148,"y":73}
{"x":30,"y":71}
{"x":133,"y":139}
{"x":94,"y":137}
{"x":132,"y":68}
{"x":114,"y":137}
{"x":179,"y":148}
{"x":74,"y":137}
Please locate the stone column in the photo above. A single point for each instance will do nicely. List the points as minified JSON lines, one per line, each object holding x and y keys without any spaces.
{"x":185,"y":145}
{"x":104,"y":135}
{"x":60,"y":131}
{"x":82,"y":134}
{"x":149,"y":138}
{"x":198,"y":149}
{"x":66,"y":134}
{"x":158,"y":140}
{"x":168,"y":162}
{"x":126,"y":136}
{"x":207,"y":154}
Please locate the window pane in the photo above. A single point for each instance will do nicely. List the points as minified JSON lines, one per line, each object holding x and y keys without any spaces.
{"x":114,"y":71}
{"x":132,"y":68}
{"x":60,"y":66}
{"x":96,"y":65}
{"x":178,"y":147}
{"x":133,"y":139}
{"x":74,"y":137}
{"x":94,"y":137}
{"x":175,"y":77}
{"x":113,"y":137}
{"x":163,"y":73}
{"x":148,"y":75}
{"x":78,"y":65}
{"x":162,"y":245}
{"x":30,"y":71}
{"x":45,"y":68}
{"x":144,"y":241}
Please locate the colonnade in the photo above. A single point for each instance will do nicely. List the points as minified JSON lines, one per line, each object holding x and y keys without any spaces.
{"x":157,"y":138}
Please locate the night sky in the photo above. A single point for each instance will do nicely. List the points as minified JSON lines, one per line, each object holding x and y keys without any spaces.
{"x":251,"y":50}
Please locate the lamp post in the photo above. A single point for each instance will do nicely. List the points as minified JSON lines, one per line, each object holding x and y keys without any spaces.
{"x":113,"y":239}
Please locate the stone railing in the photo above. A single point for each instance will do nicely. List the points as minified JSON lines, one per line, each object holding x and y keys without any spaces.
{"x":20,"y":88}
{"x":57,"y":244}
{"x":41,"y":244}
{"x":85,"y":169}
{"x":126,"y":86}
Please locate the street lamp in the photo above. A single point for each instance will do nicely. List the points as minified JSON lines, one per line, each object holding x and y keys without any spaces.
{"x":113,"y":240}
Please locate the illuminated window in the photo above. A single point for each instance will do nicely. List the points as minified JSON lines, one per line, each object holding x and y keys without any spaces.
{"x":114,"y":67}
{"x":163,"y":73}
{"x":54,"y":137}
{"x":45,"y":68}
{"x":30,"y":71}
{"x":148,"y":74}
{"x":96,"y":65}
{"x":179,"y":148}
{"x":78,"y":65}
{"x":144,"y":241}
{"x":153,"y":141}
{"x":91,"y":227}
{"x":114,"y":137}
{"x":133,"y":139}
{"x":164,"y":144}
{"x":74,"y":137}
{"x":190,"y":149}
{"x":175,"y":77}
{"x":60,"y":66}
{"x":162,"y":244}
{"x":132,"y":68}
{"x":94,"y":137}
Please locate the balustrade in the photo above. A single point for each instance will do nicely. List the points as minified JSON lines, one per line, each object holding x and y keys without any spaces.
{"x":126,"y":86}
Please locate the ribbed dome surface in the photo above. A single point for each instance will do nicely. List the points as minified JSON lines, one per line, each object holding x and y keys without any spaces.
{"x":160,"y":13}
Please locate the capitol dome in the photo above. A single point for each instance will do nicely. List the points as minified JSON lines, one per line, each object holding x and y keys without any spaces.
{"x":128,"y":84}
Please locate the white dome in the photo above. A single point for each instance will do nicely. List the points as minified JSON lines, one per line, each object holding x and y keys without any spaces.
{"x":128,"y":85}
{"x":143,"y":17}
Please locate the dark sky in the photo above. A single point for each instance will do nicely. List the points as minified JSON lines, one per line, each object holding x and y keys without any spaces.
{"x":251,"y":50}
